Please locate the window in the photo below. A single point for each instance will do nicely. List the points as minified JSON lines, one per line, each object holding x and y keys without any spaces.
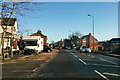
{"x":92,"y":47}
{"x":83,"y":41}
{"x":95,"y":47}
{"x":84,"y":46}
{"x":95,"y":41}
{"x":31,"y":43}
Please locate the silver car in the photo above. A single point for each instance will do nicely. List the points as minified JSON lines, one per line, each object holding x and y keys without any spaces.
{"x":84,"y":49}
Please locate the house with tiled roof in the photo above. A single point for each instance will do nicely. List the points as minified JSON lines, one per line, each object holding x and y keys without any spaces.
{"x":12,"y":30}
{"x":39,"y":33}
{"x":11,"y":33}
{"x":87,"y":40}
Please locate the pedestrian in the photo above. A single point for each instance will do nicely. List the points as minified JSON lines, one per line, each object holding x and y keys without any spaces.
{"x":21,"y":45}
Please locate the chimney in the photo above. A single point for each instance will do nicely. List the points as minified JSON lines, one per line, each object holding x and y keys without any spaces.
{"x":39,"y":31}
{"x":21,"y":37}
{"x":89,"y":34}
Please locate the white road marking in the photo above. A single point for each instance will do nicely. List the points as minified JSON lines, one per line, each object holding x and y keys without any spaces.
{"x":83,"y":61}
{"x":109,"y":57}
{"x":105,"y":65}
{"x":92,"y":56}
{"x":87,"y":59}
{"x":112,"y":74}
{"x":80,"y":60}
{"x":71,"y":53}
{"x":101,"y":75}
{"x":75,"y":56}
{"x":108,"y":61}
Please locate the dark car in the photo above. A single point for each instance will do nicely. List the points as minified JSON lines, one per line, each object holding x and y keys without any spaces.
{"x":47,"y":49}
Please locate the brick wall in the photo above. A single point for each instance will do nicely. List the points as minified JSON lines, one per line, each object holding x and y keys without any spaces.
{"x":84,"y":42}
{"x":42,"y":36}
{"x":88,"y":42}
{"x":44,"y":40}
{"x":91,"y":43}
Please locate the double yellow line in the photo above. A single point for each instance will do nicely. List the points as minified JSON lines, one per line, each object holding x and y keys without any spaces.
{"x":35,"y":69}
{"x":114,"y":55}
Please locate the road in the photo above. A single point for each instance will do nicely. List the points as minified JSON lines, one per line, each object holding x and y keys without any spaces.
{"x":69,"y":64}
{"x":72,"y":64}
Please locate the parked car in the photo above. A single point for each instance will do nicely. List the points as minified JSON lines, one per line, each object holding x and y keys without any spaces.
{"x":47,"y":49}
{"x":85,"y":49}
{"x":60,"y":48}
{"x":54,"y":47}
{"x":67,"y":47}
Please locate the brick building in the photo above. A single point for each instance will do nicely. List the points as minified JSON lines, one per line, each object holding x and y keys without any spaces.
{"x":87,"y":41}
{"x":100,"y":45}
{"x":42,"y":36}
{"x":61,"y":43}
{"x":114,"y":43}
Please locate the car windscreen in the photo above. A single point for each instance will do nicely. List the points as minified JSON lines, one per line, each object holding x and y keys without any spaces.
{"x":84,"y":46}
{"x":31,"y":43}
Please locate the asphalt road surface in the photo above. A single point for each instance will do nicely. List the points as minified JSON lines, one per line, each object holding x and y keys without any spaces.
{"x":66,"y":64}
{"x":73,"y":64}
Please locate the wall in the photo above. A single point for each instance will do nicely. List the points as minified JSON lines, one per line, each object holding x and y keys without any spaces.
{"x":91,"y":43}
{"x":84,"y":42}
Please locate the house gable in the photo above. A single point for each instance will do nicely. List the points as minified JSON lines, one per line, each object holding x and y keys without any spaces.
{"x":41,"y":35}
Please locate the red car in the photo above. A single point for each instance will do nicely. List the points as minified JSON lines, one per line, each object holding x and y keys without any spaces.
{"x":59,"y":47}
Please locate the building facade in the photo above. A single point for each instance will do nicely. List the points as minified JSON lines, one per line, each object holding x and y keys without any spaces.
{"x":87,"y":41}
{"x":39,"y":33}
{"x":11,"y":37}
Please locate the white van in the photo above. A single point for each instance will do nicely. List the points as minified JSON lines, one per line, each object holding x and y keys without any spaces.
{"x":33,"y":44}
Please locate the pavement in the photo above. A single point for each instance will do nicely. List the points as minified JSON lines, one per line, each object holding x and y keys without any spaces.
{"x":21,"y":66}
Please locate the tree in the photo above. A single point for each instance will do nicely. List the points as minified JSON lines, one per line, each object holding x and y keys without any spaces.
{"x":52,"y":42}
{"x":8,"y":11}
{"x":74,"y":36}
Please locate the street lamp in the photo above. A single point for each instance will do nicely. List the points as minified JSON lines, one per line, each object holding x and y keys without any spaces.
{"x":93,"y":30}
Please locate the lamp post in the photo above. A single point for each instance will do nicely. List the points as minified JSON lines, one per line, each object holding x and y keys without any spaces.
{"x":93,"y":29}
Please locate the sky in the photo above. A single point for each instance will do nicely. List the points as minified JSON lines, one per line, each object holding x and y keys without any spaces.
{"x":57,"y":20}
